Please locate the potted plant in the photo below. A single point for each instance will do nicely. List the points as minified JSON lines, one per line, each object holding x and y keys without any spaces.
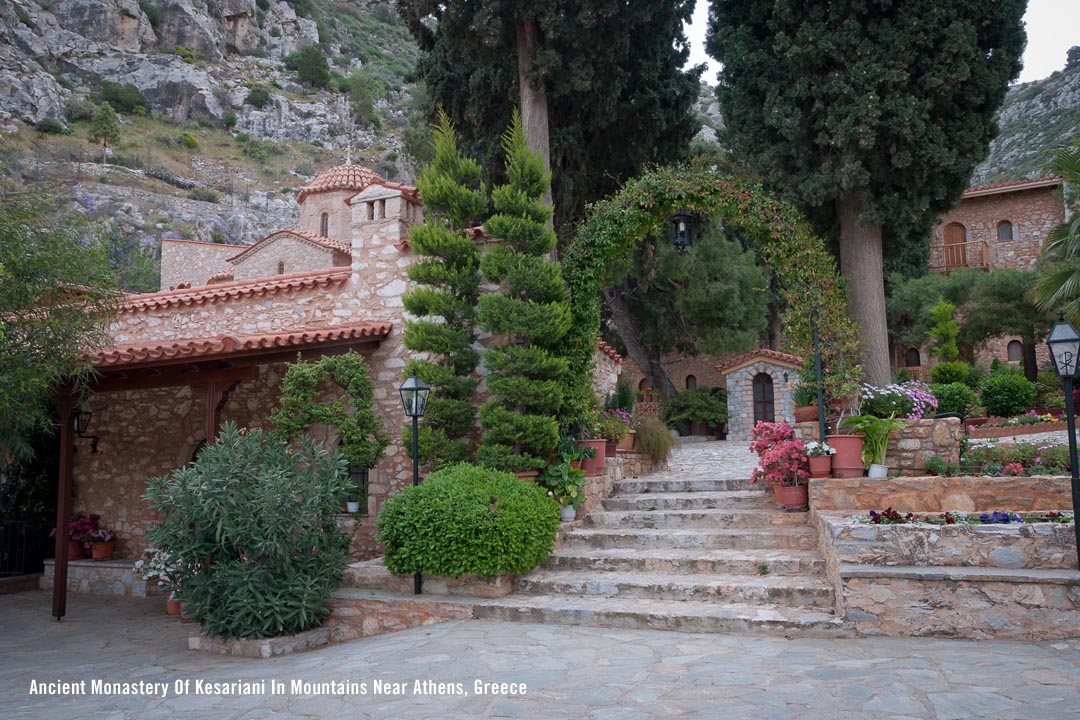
{"x":352,"y":504}
{"x":563,"y":483}
{"x":876,"y":432}
{"x":819,"y":456}
{"x":785,"y":466}
{"x":593,"y":445}
{"x":79,"y":531}
{"x":613,"y":426}
{"x":805,"y":398}
{"x":156,"y":566}
{"x":102,"y":544}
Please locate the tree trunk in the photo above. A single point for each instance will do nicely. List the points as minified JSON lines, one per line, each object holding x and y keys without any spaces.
{"x":1031,"y":367}
{"x":534,"y":109}
{"x":648,"y":360}
{"x":862,"y":264}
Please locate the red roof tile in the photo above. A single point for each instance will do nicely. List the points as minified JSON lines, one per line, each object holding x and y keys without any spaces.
{"x":608,"y":350}
{"x":754,"y":355}
{"x":222,"y":346}
{"x":342,"y":177}
{"x":234,"y":290}
{"x":312,"y":238}
{"x":1013,"y":185}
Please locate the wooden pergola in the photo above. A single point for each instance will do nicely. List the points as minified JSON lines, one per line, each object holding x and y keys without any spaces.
{"x":216,"y":365}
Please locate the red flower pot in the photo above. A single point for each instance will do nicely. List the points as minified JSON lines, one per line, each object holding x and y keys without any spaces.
{"x":847,"y":462}
{"x":806,"y":413}
{"x":171,"y":606}
{"x":75,"y":549}
{"x":102,"y":550}
{"x":594,"y":466}
{"x":794,"y":497}
{"x":820,"y":466}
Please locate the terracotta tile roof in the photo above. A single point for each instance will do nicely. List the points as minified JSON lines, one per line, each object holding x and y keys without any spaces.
{"x":760,"y":354}
{"x":223,"y":346}
{"x":342,"y":177}
{"x":220,"y":277}
{"x":324,"y":242}
{"x":226,"y":292}
{"x":1013,"y":185}
{"x":608,"y":350}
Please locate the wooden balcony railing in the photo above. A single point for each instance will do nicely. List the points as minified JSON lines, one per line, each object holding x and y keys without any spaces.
{"x":973,"y":254}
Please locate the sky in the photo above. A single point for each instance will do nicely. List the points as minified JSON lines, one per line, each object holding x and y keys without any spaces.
{"x":1053,"y":26}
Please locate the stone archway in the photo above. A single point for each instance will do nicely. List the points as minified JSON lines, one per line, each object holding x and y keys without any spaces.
{"x":806,"y":271}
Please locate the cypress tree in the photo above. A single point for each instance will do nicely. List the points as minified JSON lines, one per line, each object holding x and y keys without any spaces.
{"x":529,"y":315}
{"x":444,"y":301}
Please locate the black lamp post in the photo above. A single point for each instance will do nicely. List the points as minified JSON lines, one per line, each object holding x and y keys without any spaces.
{"x":1064,"y":344}
{"x":680,"y":231}
{"x":414,"y":397}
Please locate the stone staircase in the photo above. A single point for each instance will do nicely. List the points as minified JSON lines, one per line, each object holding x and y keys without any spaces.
{"x":666,"y":552}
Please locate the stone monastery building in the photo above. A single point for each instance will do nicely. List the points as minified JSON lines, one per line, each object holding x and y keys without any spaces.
{"x":213,"y":347}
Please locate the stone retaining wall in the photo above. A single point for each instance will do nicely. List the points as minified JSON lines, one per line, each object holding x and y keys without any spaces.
{"x":938,"y":494}
{"x":100,"y":577}
{"x":623,"y":465}
{"x":1000,"y":431}
{"x":910,"y":446}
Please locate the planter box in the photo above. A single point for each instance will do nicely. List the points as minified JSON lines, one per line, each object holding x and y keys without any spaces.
{"x":998,"y":431}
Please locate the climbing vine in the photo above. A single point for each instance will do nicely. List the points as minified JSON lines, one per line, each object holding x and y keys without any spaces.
{"x":363,"y":440}
{"x":806,"y":272}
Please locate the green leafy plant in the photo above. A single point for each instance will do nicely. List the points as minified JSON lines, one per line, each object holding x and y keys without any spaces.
{"x":251,"y":526}
{"x":876,"y":432}
{"x":614,"y":425}
{"x":563,"y":482}
{"x":950,"y":372}
{"x":622,"y":398}
{"x":363,"y":441}
{"x":944,"y":332}
{"x":122,"y":98}
{"x":954,"y":398}
{"x":468,"y":519}
{"x":804,"y":395}
{"x":258,"y":96}
{"x":706,"y":404}
{"x":1006,"y":395}
{"x":52,"y":126}
{"x":654,"y":439}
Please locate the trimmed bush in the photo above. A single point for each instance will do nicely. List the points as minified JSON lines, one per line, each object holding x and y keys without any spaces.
{"x":949,"y":372}
{"x":468,"y":519}
{"x":251,"y":523}
{"x":1006,"y":395}
{"x":954,"y":398}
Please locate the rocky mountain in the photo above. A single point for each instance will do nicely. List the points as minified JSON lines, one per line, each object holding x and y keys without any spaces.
{"x":1037,"y":118}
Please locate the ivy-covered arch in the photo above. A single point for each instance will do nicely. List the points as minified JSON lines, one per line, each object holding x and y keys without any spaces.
{"x":806,"y":271}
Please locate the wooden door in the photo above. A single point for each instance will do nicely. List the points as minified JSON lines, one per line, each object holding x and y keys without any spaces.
{"x":764,"y":409}
{"x":955,"y":246}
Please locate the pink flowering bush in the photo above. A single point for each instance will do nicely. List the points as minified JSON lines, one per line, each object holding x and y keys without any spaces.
{"x":81,"y":528}
{"x":785,"y":463}
{"x":767,"y":435}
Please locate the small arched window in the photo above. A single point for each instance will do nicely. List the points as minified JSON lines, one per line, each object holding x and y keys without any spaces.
{"x":1006,"y":232}
{"x":324,"y":225}
{"x":1016,"y":351}
{"x":281,"y":267}
{"x":644,"y":384}
{"x":691,"y":382}
{"x":912,"y":358}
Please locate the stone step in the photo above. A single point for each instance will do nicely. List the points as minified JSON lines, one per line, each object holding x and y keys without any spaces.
{"x":628,"y":613}
{"x":795,"y":591}
{"x":789,"y":538}
{"x":681,"y":485}
{"x":705,"y":500}
{"x":724,"y":518}
{"x":735,"y":562}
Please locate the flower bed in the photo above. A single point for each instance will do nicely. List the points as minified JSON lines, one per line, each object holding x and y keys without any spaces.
{"x":988,"y":430}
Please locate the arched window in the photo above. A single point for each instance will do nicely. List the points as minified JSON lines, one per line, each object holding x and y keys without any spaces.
{"x":1006,"y":232}
{"x":912,"y":358}
{"x":644,"y":384}
{"x":691,"y":382}
{"x":324,"y":225}
{"x":281,"y":267}
{"x":764,"y":410}
{"x":1016,"y":351}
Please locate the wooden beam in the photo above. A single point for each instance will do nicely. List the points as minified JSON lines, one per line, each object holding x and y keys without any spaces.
{"x":216,"y":395}
{"x":152,"y":378}
{"x":66,"y":407}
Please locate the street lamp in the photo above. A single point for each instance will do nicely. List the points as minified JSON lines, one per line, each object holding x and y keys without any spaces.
{"x":680,"y":231}
{"x":414,"y":397}
{"x":1064,"y":344}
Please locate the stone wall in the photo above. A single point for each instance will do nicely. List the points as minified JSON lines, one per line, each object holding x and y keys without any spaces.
{"x":286,"y":254}
{"x":1032,"y":212}
{"x":606,"y":371}
{"x":938,"y":494}
{"x":911,"y":445}
{"x":187,"y":261}
{"x":99,"y":577}
{"x":623,"y":465}
{"x":339,"y":215}
{"x":680,"y":367}
{"x":740,"y":387}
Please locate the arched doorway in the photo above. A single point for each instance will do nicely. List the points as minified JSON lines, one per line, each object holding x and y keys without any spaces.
{"x":955,"y":246}
{"x":764,"y":406}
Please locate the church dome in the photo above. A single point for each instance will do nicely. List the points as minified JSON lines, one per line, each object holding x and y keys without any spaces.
{"x":343,"y":177}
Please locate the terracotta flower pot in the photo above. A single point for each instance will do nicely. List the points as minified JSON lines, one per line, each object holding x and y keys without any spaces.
{"x":794,"y":497}
{"x":820,"y":466}
{"x":847,"y":462}
{"x":594,"y":466}
{"x":75,"y":549}
{"x":610,"y":448}
{"x":528,"y":475}
{"x":806,"y":413}
{"x":102,"y":550}
{"x":172,"y":607}
{"x":627,"y":443}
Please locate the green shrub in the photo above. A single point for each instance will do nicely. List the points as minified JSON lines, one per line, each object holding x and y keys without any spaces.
{"x":467,"y":519}
{"x":1048,"y":390}
{"x":1006,"y":395}
{"x":204,"y":194}
{"x":228,"y":120}
{"x":949,"y":372}
{"x":622,"y":398}
{"x":954,"y":398}
{"x":654,"y":439}
{"x":52,"y":126}
{"x":123,"y":98}
{"x":189,"y":141}
{"x":705,"y":404}
{"x":184,"y":53}
{"x":258,"y":96}
{"x":252,"y":523}
{"x":152,"y":13}
{"x":79,"y":109}
{"x":311,"y":66}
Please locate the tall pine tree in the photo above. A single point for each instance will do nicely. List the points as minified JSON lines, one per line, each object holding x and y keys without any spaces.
{"x":871,"y":114}
{"x":444,"y":301}
{"x":588,"y":76}
{"x":528,"y":316}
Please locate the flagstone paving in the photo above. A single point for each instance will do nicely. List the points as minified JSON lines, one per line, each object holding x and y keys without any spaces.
{"x":567,"y":672}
